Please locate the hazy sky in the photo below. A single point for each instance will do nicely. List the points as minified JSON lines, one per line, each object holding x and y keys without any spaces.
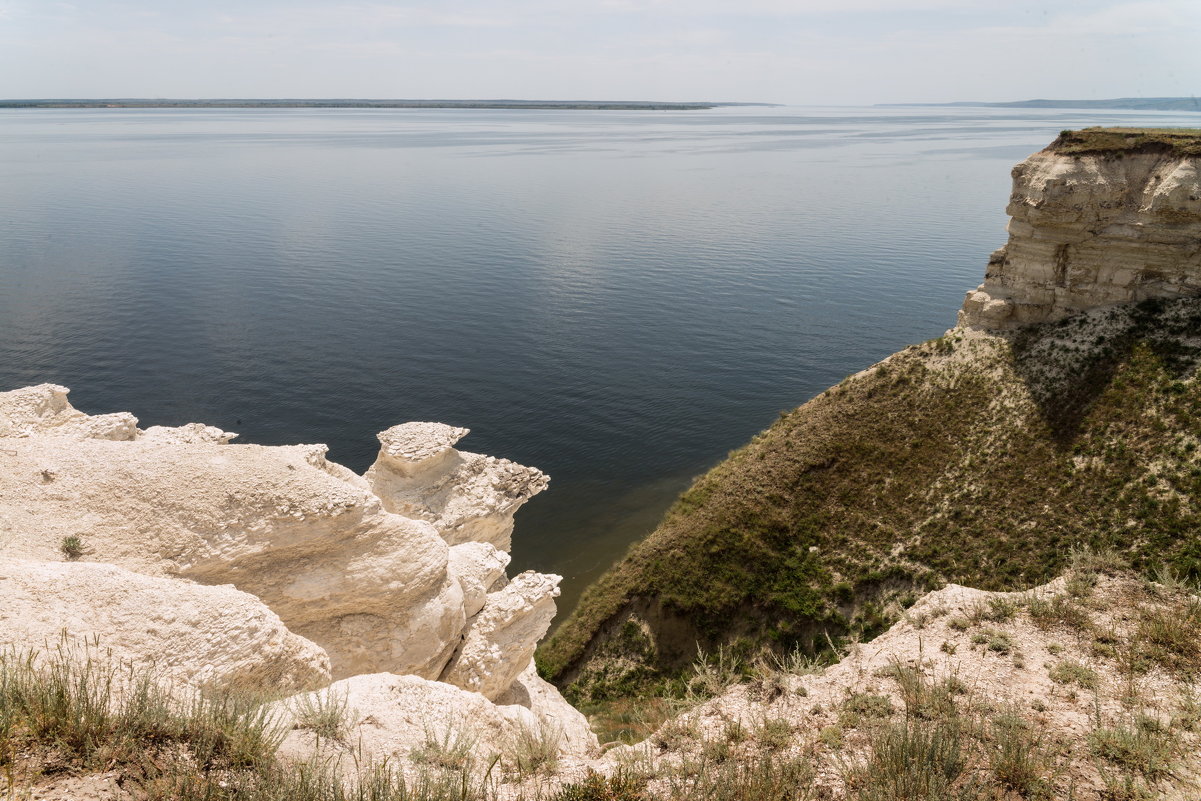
{"x":787,"y":51}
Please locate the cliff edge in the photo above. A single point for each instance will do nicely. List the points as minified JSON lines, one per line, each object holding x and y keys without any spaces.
{"x":1100,"y":217}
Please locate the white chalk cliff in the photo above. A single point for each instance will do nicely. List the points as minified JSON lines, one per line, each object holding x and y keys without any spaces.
{"x":334,"y":575}
{"x":1091,"y":230}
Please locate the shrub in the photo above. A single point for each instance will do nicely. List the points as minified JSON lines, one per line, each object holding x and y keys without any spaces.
{"x":71,"y":547}
{"x":912,"y":760}
{"x":534,"y":750}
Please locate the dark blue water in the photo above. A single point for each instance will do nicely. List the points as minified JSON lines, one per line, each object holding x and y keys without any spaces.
{"x":617,"y":298}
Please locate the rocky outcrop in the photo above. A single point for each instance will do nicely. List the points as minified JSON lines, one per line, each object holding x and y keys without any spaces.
{"x":1092,"y":229}
{"x":401,"y":571}
{"x":210,"y":638}
{"x":467,"y":496}
{"x":500,"y":640}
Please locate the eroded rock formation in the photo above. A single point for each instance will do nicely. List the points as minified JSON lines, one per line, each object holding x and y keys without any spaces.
{"x":400,"y":572}
{"x":468,"y":497}
{"x":1090,"y":230}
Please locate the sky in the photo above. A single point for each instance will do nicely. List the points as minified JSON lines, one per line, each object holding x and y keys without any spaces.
{"x":810,"y":52}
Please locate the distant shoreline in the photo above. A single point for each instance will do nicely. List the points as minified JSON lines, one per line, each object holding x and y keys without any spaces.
{"x":601,"y":105}
{"x":1116,"y":104}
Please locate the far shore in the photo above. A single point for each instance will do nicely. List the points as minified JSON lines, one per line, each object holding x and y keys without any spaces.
{"x":603,"y":105}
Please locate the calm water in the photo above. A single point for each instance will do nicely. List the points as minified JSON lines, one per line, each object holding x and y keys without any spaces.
{"x":617,"y":298}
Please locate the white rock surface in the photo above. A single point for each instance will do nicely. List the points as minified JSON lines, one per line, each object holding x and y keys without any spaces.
{"x":500,"y":641}
{"x":467,"y":496}
{"x":1090,"y":231}
{"x":187,"y":434}
{"x":44,"y":409}
{"x":210,"y":638}
{"x":550,"y":708}
{"x":477,"y":566}
{"x":204,"y":557}
{"x":378,"y":591}
{"x":389,"y":717}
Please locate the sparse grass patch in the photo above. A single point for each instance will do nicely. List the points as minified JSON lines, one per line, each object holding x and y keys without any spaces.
{"x":769,"y":777}
{"x":863,"y":706}
{"x":1018,"y":758}
{"x":676,"y":734}
{"x":1188,"y":714}
{"x":94,"y":711}
{"x":619,"y":786}
{"x":996,"y":610}
{"x":923,"y":697}
{"x":1171,"y":637}
{"x":832,"y":737}
{"x":453,"y":750}
{"x":533,"y":751}
{"x":325,"y":713}
{"x":1071,"y":672}
{"x":913,"y":760}
{"x":1141,"y":746}
{"x":773,"y":733}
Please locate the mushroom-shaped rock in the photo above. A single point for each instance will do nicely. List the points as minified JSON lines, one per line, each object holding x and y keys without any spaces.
{"x":501,"y":639}
{"x":209,"y":638}
{"x":467,"y":496}
{"x":413,"y":448}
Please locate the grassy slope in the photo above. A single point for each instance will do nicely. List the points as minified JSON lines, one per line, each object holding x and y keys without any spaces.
{"x":979,"y":460}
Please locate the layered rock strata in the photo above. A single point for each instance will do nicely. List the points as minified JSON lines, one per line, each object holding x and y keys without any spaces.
{"x":401,"y":572}
{"x":1090,"y":230}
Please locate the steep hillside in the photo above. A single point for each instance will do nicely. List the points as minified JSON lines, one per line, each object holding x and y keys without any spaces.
{"x":983,"y":457}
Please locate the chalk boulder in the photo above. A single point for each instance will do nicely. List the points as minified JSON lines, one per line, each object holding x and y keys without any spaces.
{"x":407,"y":720}
{"x":208,"y":638}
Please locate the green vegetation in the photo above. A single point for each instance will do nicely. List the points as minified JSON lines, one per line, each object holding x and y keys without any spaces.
{"x":984,"y":461}
{"x":1100,"y":141}
{"x":1070,"y":672}
{"x":324,"y":713}
{"x":71,"y":547}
